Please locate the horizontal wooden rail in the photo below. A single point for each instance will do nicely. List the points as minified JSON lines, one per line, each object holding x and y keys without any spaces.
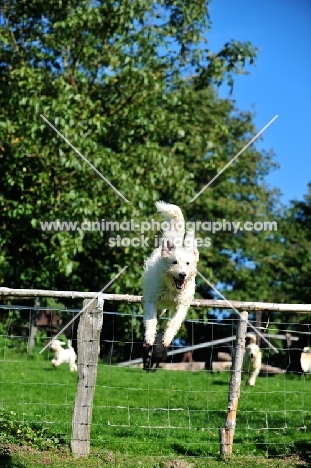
{"x":67,"y":294}
{"x":271,"y":306}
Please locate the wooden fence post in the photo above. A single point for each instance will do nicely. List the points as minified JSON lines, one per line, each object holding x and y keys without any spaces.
{"x":227,"y":433}
{"x":33,"y":326}
{"x":89,"y":329}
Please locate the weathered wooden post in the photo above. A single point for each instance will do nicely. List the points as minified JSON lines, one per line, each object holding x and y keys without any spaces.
{"x":227,"y":433}
{"x":89,"y":329}
{"x":33,"y":326}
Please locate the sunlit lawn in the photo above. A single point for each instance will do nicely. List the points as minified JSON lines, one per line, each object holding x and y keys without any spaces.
{"x":164,"y":413}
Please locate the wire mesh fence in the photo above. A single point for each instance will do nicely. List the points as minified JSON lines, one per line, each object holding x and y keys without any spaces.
{"x":176,"y":409}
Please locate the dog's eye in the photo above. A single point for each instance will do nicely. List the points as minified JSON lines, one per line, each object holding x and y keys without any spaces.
{"x":175,"y":263}
{"x":187,"y":263}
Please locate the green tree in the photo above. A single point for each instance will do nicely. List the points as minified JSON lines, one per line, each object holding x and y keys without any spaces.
{"x":292,"y":265}
{"x":134,"y":87}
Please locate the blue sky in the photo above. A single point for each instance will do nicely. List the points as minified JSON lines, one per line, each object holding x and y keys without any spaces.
{"x":280,"y":83}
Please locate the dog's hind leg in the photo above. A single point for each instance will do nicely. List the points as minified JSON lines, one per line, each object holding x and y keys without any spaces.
{"x":174,"y":324}
{"x":150,"y":321}
{"x":72,"y":365}
{"x":253,"y":376}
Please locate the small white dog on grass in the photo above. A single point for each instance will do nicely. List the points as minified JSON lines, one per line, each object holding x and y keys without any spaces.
{"x":251,"y":359}
{"x":169,"y":275}
{"x":305,"y":360}
{"x":64,"y":356}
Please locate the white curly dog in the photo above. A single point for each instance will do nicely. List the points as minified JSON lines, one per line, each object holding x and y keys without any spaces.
{"x":63,"y":356}
{"x":251,"y":359}
{"x":169,"y":275}
{"x":305,"y":359}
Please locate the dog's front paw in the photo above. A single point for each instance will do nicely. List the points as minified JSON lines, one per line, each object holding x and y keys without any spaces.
{"x":149,"y":342}
{"x":169,"y":334}
{"x":149,"y":339}
{"x":167,"y":340}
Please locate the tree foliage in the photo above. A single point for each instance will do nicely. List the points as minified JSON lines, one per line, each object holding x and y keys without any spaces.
{"x":133,"y":86}
{"x":291,"y":267}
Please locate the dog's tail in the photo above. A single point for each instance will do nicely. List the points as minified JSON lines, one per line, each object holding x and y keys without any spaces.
{"x":69,"y":346}
{"x":175,"y":230}
{"x":171,"y":213}
{"x":251,"y":338}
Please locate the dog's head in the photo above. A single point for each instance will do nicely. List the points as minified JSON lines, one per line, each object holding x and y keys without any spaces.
{"x":56,"y":345}
{"x":253,"y":351}
{"x":179,"y":264}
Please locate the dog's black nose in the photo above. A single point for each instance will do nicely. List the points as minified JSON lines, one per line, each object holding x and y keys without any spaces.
{"x":182,"y":275}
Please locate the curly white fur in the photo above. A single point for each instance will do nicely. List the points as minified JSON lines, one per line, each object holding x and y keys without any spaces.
{"x":169,"y":275}
{"x":251,"y":359}
{"x":305,"y":359}
{"x":63,"y":356}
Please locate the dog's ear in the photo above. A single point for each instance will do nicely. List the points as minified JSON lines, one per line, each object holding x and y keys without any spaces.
{"x":195,"y":250}
{"x":191,"y":244}
{"x":189,"y":240}
{"x":167,"y":247}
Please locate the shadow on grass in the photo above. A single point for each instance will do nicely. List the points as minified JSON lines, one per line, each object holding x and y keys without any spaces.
{"x":300,"y":448}
{"x":6,"y":460}
{"x":303,"y":449}
{"x":221,"y":382}
{"x":181,"y":449}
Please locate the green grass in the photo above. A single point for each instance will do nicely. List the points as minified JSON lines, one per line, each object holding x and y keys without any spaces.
{"x":163,"y":414}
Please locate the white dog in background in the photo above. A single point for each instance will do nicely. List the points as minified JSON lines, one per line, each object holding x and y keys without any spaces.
{"x":305,"y":360}
{"x":251,"y":359}
{"x":169,"y":275}
{"x":63,"y":356}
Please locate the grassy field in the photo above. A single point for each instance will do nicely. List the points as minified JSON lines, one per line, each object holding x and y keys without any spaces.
{"x":159,"y":417}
